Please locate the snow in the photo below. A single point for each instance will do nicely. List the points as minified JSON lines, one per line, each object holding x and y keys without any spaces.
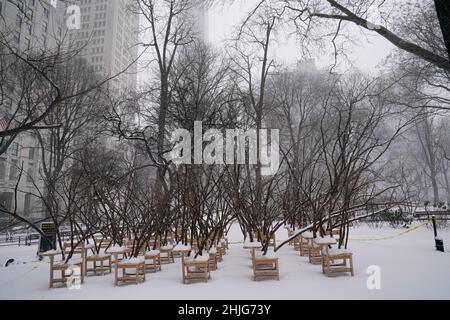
{"x":116,"y":249}
{"x":201,"y":258}
{"x":213,"y":250}
{"x":269,"y":255}
{"x":325,"y":240}
{"x":50,"y":253}
{"x":335,"y":251}
{"x":411,"y":268}
{"x":252,"y":244}
{"x":308,"y":235}
{"x":75,"y":261}
{"x":132,"y":261}
{"x":181,"y":247}
{"x":153,"y":253}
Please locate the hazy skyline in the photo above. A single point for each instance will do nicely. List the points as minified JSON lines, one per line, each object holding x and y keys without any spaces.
{"x":366,"y":55}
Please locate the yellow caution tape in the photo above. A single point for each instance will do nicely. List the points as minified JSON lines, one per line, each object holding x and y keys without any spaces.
{"x":394,"y":236}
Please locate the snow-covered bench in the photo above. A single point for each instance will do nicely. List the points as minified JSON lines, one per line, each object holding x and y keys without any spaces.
{"x":301,"y":244}
{"x":212,"y":258}
{"x":166,"y":254}
{"x":101,"y":262}
{"x":195,"y":269}
{"x":330,"y":256}
{"x":225,"y":243}
{"x":290,"y":234}
{"x":152,"y":261}
{"x":56,"y":266}
{"x":265,"y":266}
{"x":314,"y":250}
{"x":220,"y":251}
{"x":130,"y":271}
{"x":78,"y":252}
{"x":118,"y":252}
{"x":103,"y":243}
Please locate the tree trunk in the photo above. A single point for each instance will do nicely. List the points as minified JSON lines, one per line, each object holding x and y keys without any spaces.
{"x":443,"y":12}
{"x":164,"y":103}
{"x":434,"y":184}
{"x":447,"y":186}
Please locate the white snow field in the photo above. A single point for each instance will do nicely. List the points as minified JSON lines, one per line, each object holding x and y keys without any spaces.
{"x":410,"y":269}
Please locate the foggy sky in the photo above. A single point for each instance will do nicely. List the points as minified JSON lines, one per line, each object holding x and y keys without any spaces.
{"x":366,"y":55}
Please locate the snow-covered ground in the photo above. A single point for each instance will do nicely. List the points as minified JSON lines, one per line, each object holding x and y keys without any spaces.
{"x":410,"y":269}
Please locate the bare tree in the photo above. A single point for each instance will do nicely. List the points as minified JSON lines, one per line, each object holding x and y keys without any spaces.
{"x":426,"y":134}
{"x":169,"y":29}
{"x":305,"y":15}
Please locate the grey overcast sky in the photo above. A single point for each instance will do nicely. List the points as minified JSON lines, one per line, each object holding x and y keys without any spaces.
{"x":366,"y":55}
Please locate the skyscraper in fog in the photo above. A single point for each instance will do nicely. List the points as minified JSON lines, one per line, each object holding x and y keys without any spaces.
{"x":109,"y":36}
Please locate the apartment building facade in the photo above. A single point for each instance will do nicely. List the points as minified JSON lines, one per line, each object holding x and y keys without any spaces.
{"x":109,"y":37}
{"x":25,"y":25}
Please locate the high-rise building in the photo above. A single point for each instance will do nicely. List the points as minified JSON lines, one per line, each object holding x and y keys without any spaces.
{"x":109,"y":37}
{"x":25,"y":25}
{"x":30,"y":24}
{"x":108,"y":40}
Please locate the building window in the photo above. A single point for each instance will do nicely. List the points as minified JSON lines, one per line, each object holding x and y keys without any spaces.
{"x":7,"y":102}
{"x":13,"y":170}
{"x":17,"y":37}
{"x":31,"y":153}
{"x":44,"y":26}
{"x":27,"y":44}
{"x":29,"y":27}
{"x":18,"y":21}
{"x":27,"y":204}
{"x":15,"y":149}
{"x":2,"y":168}
{"x":30,"y":174}
{"x":6,"y":200}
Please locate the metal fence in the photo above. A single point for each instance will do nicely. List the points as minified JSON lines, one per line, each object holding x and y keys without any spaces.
{"x":26,"y":239}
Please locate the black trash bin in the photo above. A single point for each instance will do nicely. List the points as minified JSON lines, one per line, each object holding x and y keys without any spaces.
{"x":439,"y":244}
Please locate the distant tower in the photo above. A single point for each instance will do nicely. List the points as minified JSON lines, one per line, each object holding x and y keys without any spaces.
{"x":109,"y":35}
{"x":200,"y":17}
